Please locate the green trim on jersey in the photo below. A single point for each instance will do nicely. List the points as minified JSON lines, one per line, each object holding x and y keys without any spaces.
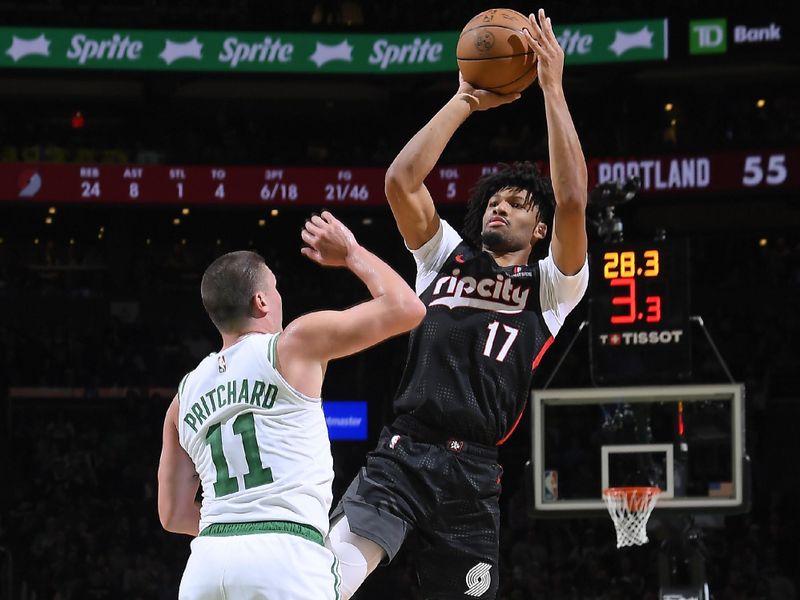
{"x":298,"y":529}
{"x":182,"y":385}
{"x":272,"y":351}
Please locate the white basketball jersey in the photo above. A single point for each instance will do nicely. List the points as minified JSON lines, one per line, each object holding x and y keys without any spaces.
{"x":260,"y":447}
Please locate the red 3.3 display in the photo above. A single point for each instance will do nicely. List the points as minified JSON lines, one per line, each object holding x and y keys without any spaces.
{"x":639,"y":313}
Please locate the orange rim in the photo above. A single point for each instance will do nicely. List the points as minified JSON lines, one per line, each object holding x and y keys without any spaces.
{"x":630,"y":491}
{"x":637,"y":499}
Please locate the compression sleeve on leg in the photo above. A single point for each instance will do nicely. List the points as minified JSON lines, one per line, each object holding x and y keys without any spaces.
{"x":357,"y":556}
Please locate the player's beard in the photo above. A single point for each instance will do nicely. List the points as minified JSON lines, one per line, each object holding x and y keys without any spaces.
{"x":495,"y":241}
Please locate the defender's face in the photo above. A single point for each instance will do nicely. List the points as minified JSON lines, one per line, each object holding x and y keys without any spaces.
{"x":508,"y":223}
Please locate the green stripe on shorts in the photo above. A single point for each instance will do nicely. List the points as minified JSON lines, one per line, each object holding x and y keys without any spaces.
{"x":298,"y":529}
{"x":337,"y":579}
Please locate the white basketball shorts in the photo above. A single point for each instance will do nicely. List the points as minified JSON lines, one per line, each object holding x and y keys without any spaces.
{"x":265,"y":566}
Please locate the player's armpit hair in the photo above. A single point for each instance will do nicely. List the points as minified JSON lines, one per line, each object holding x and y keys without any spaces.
{"x":518,"y":175}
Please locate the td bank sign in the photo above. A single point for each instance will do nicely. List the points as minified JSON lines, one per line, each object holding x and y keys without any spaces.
{"x":711,"y":36}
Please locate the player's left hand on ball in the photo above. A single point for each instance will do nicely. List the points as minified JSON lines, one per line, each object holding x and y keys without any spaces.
{"x":328,"y":241}
{"x":483,"y":99}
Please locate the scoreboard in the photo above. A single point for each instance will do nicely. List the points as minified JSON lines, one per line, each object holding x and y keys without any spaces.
{"x":147,"y":184}
{"x":675,"y":175}
{"x":639,"y":312}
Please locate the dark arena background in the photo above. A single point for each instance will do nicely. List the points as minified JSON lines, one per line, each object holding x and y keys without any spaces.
{"x":141,"y":139}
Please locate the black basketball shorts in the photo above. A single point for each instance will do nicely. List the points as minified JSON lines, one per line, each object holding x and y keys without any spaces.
{"x":447,"y":492}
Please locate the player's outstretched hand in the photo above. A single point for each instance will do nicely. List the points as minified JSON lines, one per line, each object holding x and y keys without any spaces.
{"x":483,"y":99}
{"x":541,"y":38}
{"x":328,"y":241}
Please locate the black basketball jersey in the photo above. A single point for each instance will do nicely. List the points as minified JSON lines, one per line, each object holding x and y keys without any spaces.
{"x":471,"y":360}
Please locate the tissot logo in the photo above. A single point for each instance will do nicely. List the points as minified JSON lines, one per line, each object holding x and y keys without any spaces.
{"x":641,"y":338}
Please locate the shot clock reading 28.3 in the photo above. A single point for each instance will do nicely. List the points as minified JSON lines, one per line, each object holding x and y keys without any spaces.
{"x":621,"y":269}
{"x":640,"y":311}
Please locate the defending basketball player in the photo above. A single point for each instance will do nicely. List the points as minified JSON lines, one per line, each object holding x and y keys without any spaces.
{"x":247,"y":424}
{"x":492,"y":313}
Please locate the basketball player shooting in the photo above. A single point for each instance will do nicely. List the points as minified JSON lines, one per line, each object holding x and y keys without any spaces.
{"x":491,"y":315}
{"x":247,"y":424}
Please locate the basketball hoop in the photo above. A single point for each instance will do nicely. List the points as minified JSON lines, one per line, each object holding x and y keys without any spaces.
{"x":630,"y":507}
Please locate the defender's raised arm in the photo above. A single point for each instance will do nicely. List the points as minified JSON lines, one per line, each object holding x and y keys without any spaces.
{"x":310,"y":341}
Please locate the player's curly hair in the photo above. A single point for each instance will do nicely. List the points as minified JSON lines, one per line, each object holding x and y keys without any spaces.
{"x":518,"y":175}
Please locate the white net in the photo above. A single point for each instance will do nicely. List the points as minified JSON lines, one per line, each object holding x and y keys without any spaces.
{"x":630,"y":508}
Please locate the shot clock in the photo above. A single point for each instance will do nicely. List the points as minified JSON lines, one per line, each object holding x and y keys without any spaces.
{"x":639,"y":313}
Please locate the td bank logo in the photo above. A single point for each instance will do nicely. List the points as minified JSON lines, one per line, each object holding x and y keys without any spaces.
{"x":708,"y":36}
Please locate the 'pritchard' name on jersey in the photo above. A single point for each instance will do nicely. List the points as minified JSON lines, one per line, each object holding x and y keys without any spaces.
{"x":471,"y":361}
{"x":260,"y":447}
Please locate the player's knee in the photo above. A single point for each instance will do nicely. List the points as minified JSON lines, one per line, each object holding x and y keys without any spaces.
{"x":357,"y":556}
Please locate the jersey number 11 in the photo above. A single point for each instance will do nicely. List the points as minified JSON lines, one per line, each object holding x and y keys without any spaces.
{"x":257,"y":474}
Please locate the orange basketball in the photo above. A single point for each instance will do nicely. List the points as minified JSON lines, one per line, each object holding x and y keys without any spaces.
{"x":493,"y":53}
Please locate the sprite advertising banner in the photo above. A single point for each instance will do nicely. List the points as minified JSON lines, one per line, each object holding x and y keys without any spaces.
{"x":280,"y":52}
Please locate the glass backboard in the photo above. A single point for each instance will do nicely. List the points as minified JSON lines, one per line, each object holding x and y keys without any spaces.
{"x":687,"y":440}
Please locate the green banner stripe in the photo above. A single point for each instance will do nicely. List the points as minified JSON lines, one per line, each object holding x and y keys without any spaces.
{"x":281,"y":52}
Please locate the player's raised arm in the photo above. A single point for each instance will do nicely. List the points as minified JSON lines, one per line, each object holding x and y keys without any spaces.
{"x":310,"y":341}
{"x":409,"y":199}
{"x":567,"y":163}
{"x":177,"y":481}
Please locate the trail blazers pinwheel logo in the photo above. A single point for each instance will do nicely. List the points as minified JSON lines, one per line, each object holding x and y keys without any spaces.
{"x":20,"y":47}
{"x":29,"y":183}
{"x":324,"y":53}
{"x":478,"y":580}
{"x":177,"y":50}
{"x":627,"y":41}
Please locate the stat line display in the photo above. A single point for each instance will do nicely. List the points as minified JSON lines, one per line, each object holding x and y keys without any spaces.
{"x":680,"y":175}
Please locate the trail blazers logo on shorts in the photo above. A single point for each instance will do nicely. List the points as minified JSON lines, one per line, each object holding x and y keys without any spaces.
{"x":478,"y":580}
